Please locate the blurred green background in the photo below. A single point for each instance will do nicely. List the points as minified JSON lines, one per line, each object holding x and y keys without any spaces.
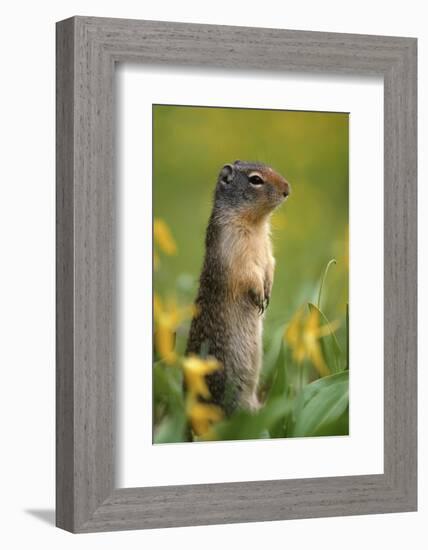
{"x":310,"y":149}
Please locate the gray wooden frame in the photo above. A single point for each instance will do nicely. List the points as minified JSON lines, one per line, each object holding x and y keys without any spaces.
{"x":87,"y":50}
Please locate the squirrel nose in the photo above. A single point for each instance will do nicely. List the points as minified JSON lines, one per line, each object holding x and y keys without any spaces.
{"x":286,"y":188}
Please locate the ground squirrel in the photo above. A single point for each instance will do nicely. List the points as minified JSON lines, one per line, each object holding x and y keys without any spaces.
{"x":236,"y":281}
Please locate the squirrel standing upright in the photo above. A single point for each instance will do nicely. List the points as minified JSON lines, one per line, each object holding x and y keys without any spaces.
{"x":236,"y":281}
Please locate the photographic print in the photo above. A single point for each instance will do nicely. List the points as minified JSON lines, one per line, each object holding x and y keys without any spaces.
{"x":250,"y":274}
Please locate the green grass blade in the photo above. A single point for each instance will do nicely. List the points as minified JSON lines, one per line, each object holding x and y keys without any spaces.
{"x":326,"y":270}
{"x":324,"y":407}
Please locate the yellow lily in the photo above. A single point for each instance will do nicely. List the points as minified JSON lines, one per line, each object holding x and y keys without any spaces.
{"x":163,"y":237}
{"x":201,"y":415}
{"x":195,"y":369}
{"x":167,"y":318}
{"x":303,"y":336}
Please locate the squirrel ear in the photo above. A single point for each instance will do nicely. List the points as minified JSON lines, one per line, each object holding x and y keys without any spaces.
{"x":226,"y":174}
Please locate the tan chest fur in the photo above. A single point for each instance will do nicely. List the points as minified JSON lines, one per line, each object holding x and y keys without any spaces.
{"x":247,"y":252}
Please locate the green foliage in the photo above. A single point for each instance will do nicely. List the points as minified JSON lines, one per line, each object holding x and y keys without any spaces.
{"x":322,"y":407}
{"x":330,"y":346}
{"x":172,"y":428}
{"x":169,"y":407}
{"x":292,"y":406}
{"x":318,"y":408}
{"x":311,"y":151}
{"x":246,"y":425}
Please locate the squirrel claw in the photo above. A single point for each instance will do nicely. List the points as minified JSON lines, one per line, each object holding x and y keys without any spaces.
{"x":260,"y":302}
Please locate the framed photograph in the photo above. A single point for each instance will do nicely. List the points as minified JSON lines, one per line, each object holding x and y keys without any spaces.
{"x":236,"y":274}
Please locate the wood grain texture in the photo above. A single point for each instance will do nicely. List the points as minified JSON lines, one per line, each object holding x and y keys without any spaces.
{"x":87,"y":50}
{"x":64,"y":277}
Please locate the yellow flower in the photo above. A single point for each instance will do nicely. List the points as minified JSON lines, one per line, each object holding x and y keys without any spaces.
{"x":167,"y":318}
{"x":202,"y":416}
{"x":163,"y":237}
{"x":303,"y":335}
{"x":195,"y":369}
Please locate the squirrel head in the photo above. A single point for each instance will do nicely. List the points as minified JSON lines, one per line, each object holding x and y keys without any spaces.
{"x":250,"y":189}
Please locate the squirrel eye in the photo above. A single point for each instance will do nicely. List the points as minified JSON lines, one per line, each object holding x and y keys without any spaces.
{"x":256,"y":180}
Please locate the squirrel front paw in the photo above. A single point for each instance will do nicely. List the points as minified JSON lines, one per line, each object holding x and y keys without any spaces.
{"x":259,"y":300}
{"x":267,"y":288}
{"x":266,"y":296}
